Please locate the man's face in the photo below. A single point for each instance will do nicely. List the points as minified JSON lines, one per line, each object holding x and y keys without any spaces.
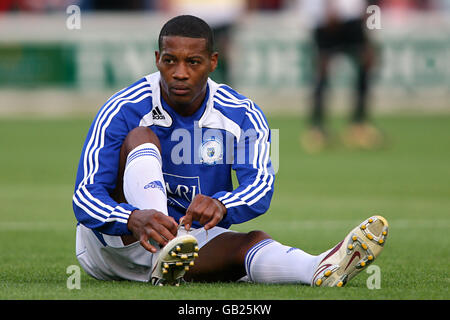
{"x":184,"y":64}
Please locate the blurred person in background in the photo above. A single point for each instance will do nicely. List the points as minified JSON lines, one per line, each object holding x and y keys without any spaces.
{"x":338,"y":26}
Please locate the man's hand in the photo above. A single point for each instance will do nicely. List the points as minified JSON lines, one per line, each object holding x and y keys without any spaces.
{"x":206,"y":210}
{"x":152,"y":224}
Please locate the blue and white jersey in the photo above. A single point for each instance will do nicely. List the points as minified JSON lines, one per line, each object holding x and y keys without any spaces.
{"x":228,"y":132}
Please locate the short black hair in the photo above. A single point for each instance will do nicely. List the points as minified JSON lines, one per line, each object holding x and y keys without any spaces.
{"x":190,"y":27}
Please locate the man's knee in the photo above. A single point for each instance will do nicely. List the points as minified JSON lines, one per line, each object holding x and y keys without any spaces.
{"x":138,"y":136}
{"x":251,"y":239}
{"x":135,"y":138}
{"x":257,"y":236}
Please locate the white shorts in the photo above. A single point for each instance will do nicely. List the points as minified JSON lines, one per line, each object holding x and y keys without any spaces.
{"x":105,"y":257}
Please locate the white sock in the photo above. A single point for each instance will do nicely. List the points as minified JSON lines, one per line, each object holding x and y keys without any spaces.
{"x":143,"y":181}
{"x":271,"y":262}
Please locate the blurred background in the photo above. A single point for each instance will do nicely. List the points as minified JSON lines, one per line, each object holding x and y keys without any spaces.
{"x":313,"y":66}
{"x":51,"y":65}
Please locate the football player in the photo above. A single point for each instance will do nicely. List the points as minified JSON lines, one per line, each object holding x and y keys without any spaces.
{"x":154,"y":197}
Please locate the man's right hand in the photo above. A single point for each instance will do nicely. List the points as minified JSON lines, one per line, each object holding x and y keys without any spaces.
{"x":152,"y":224}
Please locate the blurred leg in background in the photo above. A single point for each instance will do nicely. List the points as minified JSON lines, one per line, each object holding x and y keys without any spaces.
{"x":326,"y":42}
{"x":360,"y":133}
{"x":316,"y":138}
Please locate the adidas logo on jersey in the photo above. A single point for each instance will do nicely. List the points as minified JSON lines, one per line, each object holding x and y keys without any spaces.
{"x":157,"y":114}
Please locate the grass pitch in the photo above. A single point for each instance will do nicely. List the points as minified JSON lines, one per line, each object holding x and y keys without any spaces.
{"x":318,"y":199}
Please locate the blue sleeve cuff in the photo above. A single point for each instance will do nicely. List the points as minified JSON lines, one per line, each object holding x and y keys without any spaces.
{"x":122,"y":228}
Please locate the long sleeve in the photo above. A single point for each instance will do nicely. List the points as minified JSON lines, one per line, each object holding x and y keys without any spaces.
{"x":253,"y":169}
{"x":99,"y":164}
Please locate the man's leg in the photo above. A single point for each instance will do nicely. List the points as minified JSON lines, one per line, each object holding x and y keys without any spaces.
{"x":136,"y":137}
{"x":222,"y":258}
{"x":231,"y":256}
{"x":225,"y":257}
{"x":141,"y":183}
{"x":140,"y":160}
{"x":105,"y":257}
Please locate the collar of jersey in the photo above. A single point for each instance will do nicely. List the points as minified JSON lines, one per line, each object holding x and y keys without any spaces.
{"x":210,"y":117}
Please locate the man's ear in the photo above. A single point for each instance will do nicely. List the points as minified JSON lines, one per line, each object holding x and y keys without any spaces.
{"x":157,"y":59}
{"x":214,"y":61}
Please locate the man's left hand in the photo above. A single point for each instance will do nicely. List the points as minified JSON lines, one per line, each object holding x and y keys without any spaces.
{"x":206,"y":210}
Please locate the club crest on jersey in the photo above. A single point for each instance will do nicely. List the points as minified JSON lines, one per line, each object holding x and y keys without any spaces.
{"x":211,"y":151}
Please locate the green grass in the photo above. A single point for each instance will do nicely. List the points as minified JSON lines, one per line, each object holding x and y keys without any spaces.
{"x":318,"y":199}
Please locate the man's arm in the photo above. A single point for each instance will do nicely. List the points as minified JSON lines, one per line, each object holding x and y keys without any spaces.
{"x":206,"y":210}
{"x":97,"y":177}
{"x":255,"y":176}
{"x":98,"y":167}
